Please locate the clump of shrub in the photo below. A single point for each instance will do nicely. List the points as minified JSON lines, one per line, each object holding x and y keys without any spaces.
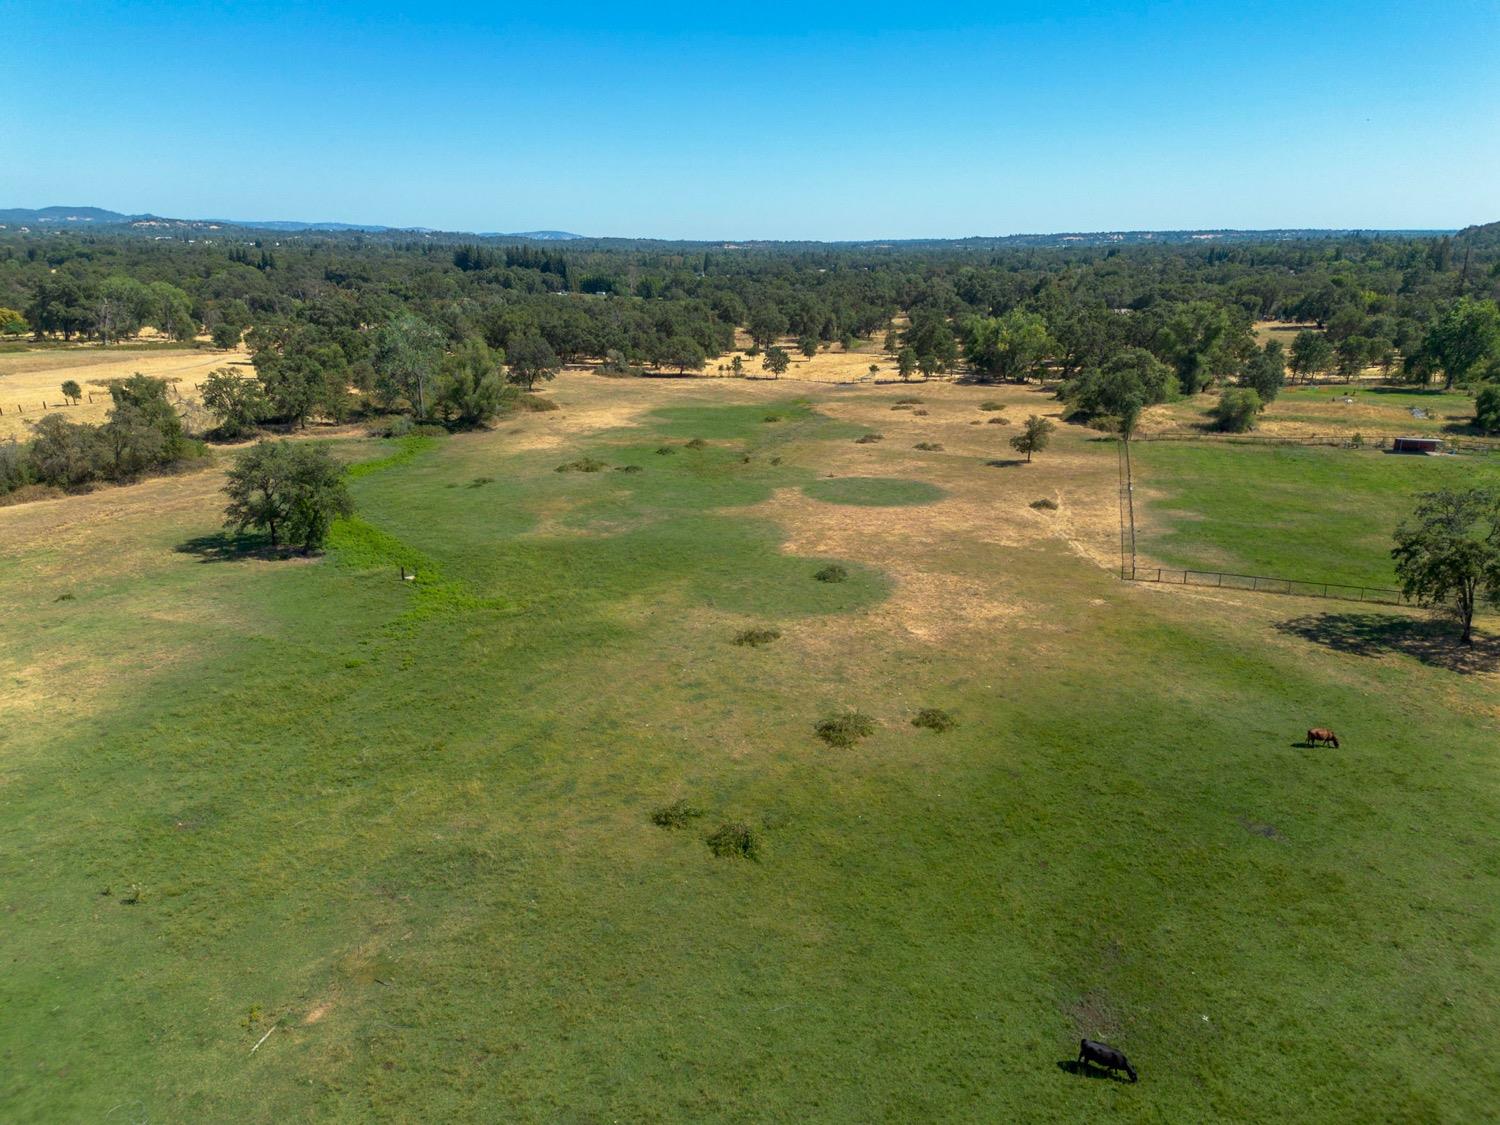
{"x":775,"y":460}
{"x":536,"y":404}
{"x":68,"y":597}
{"x":934,"y":719}
{"x":480,"y":482}
{"x":772,"y":418}
{"x":1236,"y":410}
{"x":665,"y":450}
{"x":629,"y":469}
{"x":757,"y":637}
{"x":845,"y":729}
{"x":929,"y":446}
{"x":734,"y":839}
{"x":399,"y":426}
{"x":910,"y":400}
{"x":991,"y":404}
{"x":900,"y":406}
{"x":1044,"y":504}
{"x":679,"y":814}
{"x":582,"y":465}
{"x":920,"y":413}
{"x":998,"y":421}
{"x":696,"y":443}
{"x":869,"y":439}
{"x":832,"y":573}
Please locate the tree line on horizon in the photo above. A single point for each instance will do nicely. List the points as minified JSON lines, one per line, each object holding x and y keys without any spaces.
{"x":340,"y":326}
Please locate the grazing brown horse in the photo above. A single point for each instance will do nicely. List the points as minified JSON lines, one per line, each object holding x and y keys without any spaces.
{"x":1322,"y":735}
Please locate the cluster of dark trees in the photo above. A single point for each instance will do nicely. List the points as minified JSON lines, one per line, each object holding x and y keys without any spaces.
{"x":143,"y":432}
{"x":343,"y":322}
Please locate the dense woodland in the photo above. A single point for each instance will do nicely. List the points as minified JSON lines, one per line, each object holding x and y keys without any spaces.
{"x":446,"y":327}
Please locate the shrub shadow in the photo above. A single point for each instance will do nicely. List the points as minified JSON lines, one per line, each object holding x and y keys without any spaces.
{"x":1433,"y":642}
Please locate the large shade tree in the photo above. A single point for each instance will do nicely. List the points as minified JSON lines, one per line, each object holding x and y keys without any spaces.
{"x":1448,"y":552}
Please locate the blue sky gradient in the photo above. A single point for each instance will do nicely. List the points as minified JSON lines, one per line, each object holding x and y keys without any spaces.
{"x":764,"y":121}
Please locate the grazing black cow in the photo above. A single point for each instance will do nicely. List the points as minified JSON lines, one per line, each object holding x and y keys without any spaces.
{"x":1105,"y":1055}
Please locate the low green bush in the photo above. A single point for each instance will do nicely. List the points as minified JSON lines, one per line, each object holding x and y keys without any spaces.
{"x":991,"y":404}
{"x":582,"y":465}
{"x":696,"y":443}
{"x":845,"y":729}
{"x":679,"y":814}
{"x":934,"y":719}
{"x":757,"y":637}
{"x":869,"y":439}
{"x":734,"y":839}
{"x":832,"y":573}
{"x":1044,"y":505}
{"x":929,"y":446}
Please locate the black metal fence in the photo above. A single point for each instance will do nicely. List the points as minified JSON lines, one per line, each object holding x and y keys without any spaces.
{"x":1264,"y":584}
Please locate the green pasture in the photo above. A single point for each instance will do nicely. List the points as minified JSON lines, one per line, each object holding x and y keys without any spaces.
{"x":1317,"y":514}
{"x":405,"y":828}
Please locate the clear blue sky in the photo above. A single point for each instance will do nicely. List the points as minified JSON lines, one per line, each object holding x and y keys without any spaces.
{"x":764,"y":120}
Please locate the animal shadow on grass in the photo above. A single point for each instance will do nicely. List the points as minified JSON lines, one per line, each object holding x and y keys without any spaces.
{"x":1375,"y":634}
{"x":224,"y":547}
{"x":1087,"y":1070}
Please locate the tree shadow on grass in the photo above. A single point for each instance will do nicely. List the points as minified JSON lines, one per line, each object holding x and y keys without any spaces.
{"x":1005,"y":462}
{"x":224,"y":547}
{"x":1433,"y":642}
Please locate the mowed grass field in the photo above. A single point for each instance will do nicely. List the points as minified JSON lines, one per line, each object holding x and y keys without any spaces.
{"x":405,"y":828}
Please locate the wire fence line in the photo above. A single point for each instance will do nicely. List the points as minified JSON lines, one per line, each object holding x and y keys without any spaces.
{"x":17,"y":408}
{"x":1336,"y":441}
{"x":1269,"y":584}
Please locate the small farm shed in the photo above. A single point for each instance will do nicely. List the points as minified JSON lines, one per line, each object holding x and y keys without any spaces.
{"x":1418,"y":445}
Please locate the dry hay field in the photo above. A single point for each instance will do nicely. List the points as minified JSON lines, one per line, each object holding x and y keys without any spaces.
{"x":31,"y":377}
{"x":533,"y":838}
{"x":832,"y":364}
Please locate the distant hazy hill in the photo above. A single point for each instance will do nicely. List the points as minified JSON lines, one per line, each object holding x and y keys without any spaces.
{"x":49,"y":217}
{"x":63,"y":216}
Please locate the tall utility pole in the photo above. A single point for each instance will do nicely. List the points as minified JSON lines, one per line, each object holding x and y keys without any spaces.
{"x":1130,"y":502}
{"x":1127,"y":511}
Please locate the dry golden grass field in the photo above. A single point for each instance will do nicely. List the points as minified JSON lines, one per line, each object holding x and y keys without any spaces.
{"x":32,"y":377}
